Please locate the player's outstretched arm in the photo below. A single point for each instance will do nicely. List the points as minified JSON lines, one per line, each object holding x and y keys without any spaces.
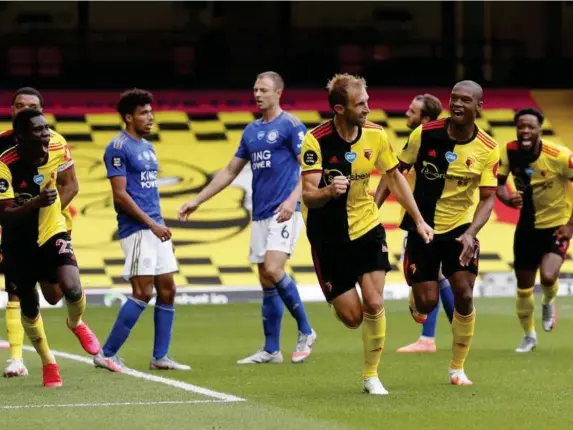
{"x":399,"y":187}
{"x":68,"y":186}
{"x":481,"y":216}
{"x":513,"y":200}
{"x":382,"y":192}
{"x":221,"y":181}
{"x":122,"y":198}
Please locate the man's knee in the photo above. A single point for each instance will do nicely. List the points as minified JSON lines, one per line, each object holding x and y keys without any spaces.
{"x":548,"y":277}
{"x":372,"y":304}
{"x":142,"y":288}
{"x":426,"y":298}
{"x":166,"y":290}
{"x":69,"y":281}
{"x":273,"y":271}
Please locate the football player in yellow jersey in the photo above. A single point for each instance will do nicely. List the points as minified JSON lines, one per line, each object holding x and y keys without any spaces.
{"x":67,"y":184}
{"x":36,"y":244}
{"x":423,"y":109}
{"x":348,"y":243}
{"x":452,"y":158}
{"x":542,"y":172}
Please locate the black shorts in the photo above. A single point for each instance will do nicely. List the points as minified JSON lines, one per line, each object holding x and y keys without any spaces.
{"x":24,"y":267}
{"x":531,"y":244}
{"x":422,"y":261}
{"x":339,"y":266}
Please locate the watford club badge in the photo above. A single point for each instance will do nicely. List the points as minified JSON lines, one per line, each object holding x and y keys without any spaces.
{"x":368,"y":153}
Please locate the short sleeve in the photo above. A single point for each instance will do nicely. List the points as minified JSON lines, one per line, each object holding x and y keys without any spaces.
{"x":297,"y":138}
{"x":6,"y":190}
{"x":409,"y":153}
{"x":386,"y":159}
{"x":566,"y":163}
{"x":66,"y":160}
{"x":115,"y":162}
{"x":242,"y":150}
{"x":503,"y":161}
{"x":311,"y":159}
{"x":489,"y":175}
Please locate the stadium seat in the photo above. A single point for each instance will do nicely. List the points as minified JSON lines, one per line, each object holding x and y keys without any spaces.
{"x":49,"y":61}
{"x":21,"y":61}
{"x":184,"y":60}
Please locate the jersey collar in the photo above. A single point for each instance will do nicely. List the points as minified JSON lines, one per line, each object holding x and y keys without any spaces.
{"x":356,"y":139}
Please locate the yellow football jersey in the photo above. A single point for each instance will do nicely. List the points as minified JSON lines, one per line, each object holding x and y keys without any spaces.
{"x":21,"y":182}
{"x":448,"y":174}
{"x":353,"y":214}
{"x":544,"y":180}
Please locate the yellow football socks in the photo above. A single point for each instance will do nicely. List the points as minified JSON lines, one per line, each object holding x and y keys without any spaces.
{"x":525,"y":306}
{"x":463,"y":331}
{"x":373,"y":337}
{"x":35,"y":331}
{"x":14,"y":330}
{"x":75,"y":311}
{"x":549,"y":293}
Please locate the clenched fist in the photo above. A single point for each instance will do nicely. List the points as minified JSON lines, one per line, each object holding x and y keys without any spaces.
{"x":339,"y":186}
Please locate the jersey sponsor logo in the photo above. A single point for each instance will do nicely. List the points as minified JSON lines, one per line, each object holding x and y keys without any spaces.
{"x":116,"y":161}
{"x":330,"y":174}
{"x":260,"y":135}
{"x":351,"y":157}
{"x":272,"y":137}
{"x":38,"y":179}
{"x":310,"y":158}
{"x":261,"y":160}
{"x":4,"y":185}
{"x":431,"y":173}
{"x":22,"y":198}
{"x":148,"y":179}
{"x":451,"y":157}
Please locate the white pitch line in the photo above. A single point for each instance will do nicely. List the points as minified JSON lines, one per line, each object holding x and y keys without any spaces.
{"x":103,"y":405}
{"x":153,"y":378}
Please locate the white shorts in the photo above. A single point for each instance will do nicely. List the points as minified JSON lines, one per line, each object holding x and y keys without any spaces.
{"x":269,"y":235}
{"x":146,"y":255}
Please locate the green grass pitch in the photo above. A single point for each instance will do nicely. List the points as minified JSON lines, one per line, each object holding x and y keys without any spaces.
{"x":511,"y":391}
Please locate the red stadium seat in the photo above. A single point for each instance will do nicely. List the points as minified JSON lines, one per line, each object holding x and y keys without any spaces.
{"x":184,"y":60}
{"x":49,"y":61}
{"x":21,"y":61}
{"x":351,"y":58}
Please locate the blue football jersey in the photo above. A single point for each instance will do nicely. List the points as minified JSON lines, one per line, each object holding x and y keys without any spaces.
{"x":272,"y":148}
{"x":136,"y":160}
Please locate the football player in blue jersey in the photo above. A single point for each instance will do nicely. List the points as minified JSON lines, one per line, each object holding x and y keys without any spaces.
{"x":272,"y":145}
{"x":150,"y":262}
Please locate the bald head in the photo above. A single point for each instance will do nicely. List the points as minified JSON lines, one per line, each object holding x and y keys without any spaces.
{"x":473,"y":87}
